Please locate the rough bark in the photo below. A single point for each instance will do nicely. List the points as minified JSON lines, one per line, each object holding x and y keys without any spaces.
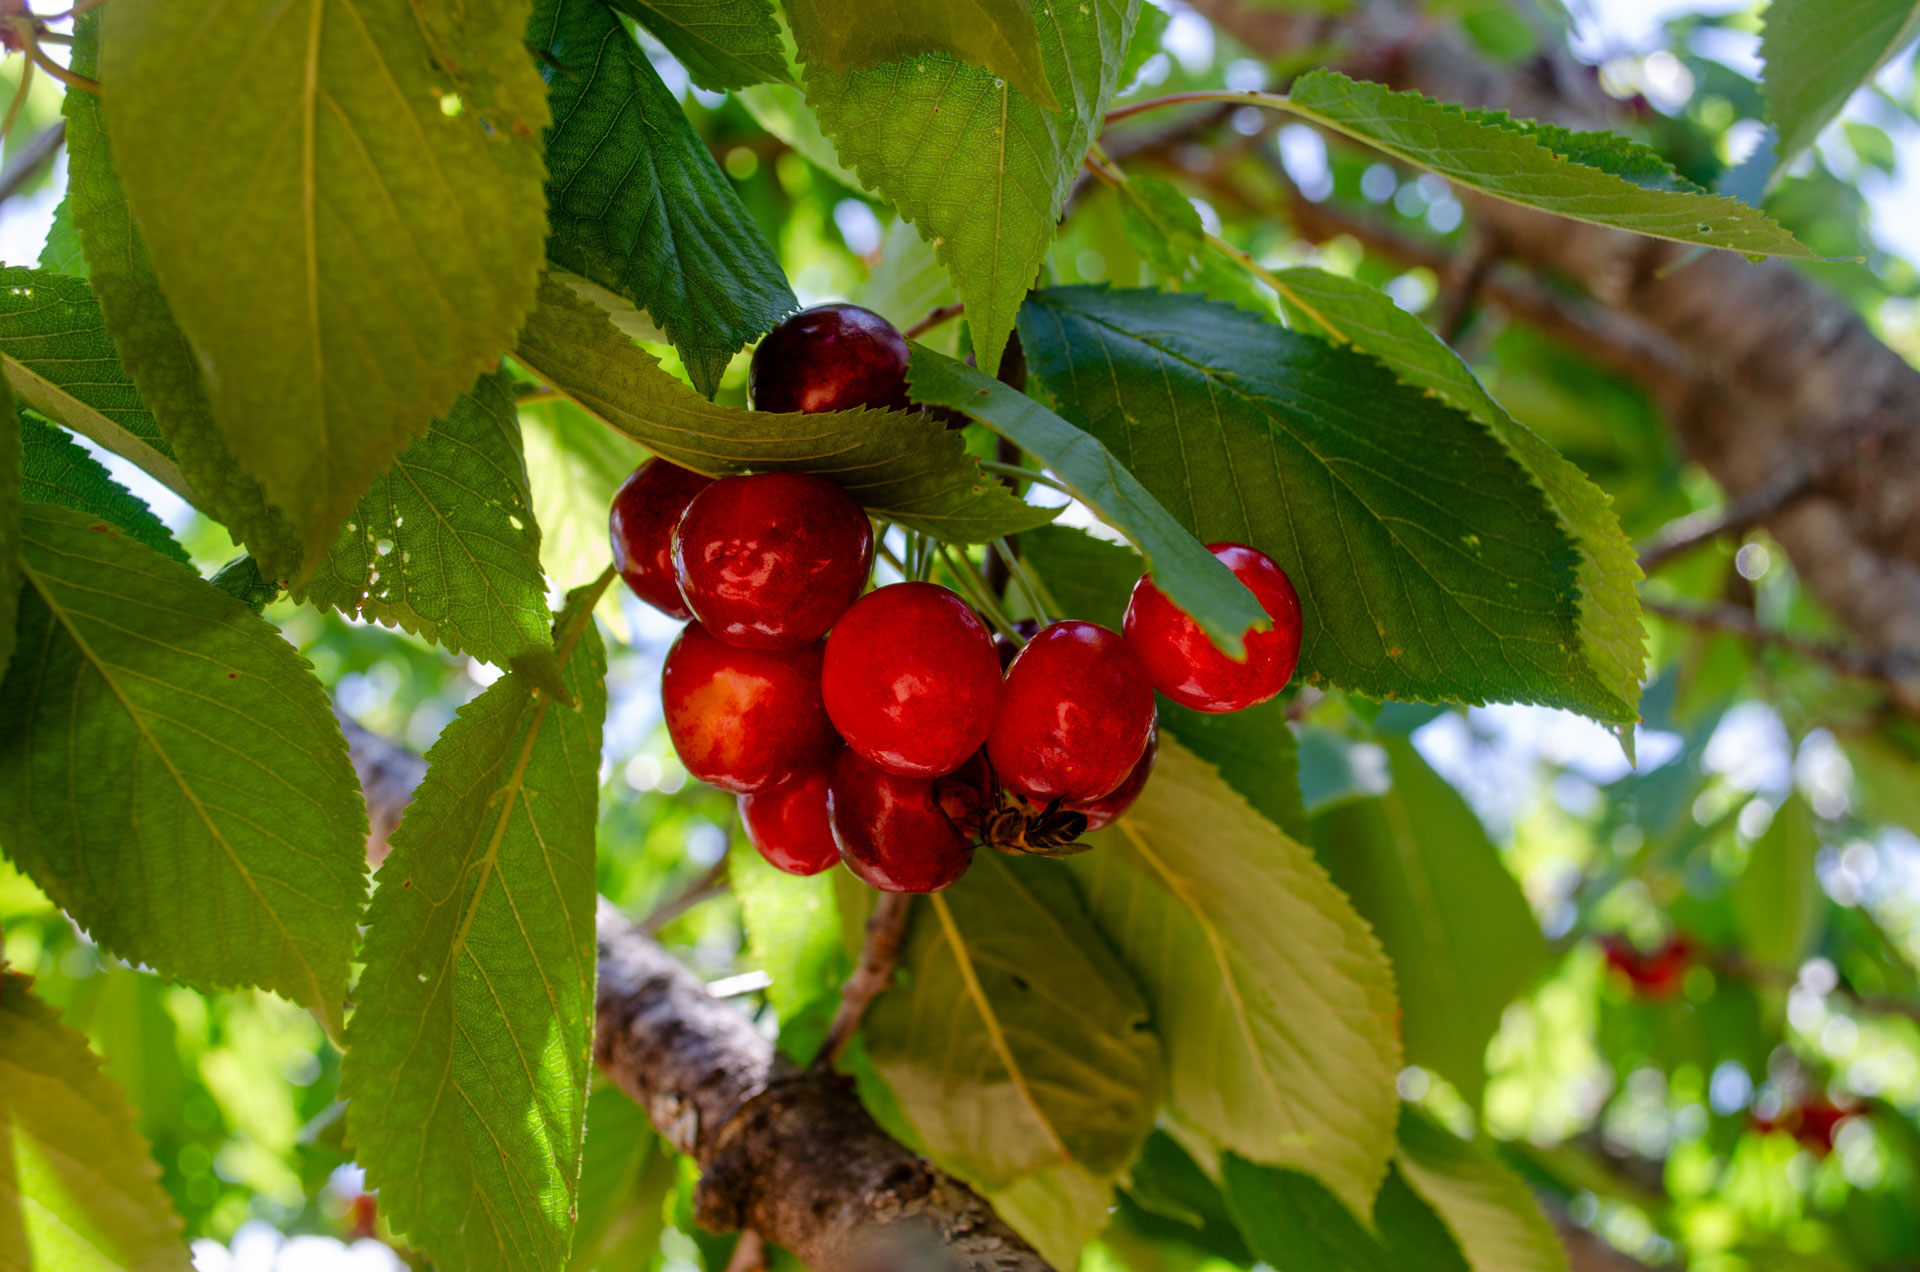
{"x":790,"y":1154}
{"x":1774,"y":371}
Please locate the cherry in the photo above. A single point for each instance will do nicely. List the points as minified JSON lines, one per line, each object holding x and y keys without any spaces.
{"x":640,"y":524}
{"x":1655,"y":975}
{"x":911,"y":679}
{"x":891,"y":830}
{"x":788,"y":824}
{"x":1075,"y":715}
{"x":1101,"y":812}
{"x":1188,"y":667}
{"x":744,"y":719}
{"x":830,"y":358}
{"x":771,"y":561}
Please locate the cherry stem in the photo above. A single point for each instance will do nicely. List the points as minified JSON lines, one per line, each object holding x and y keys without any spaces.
{"x":1041,"y":607}
{"x":60,"y":72}
{"x":1252,"y":97}
{"x":969,"y":581}
{"x":885,"y":553}
{"x":710,"y":884}
{"x":934,"y":319}
{"x":1019,"y":473}
{"x":886,"y":932}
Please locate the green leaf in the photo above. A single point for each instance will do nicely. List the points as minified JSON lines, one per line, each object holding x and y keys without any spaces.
{"x":1292,"y":1222}
{"x":980,"y":169}
{"x":625,"y":1175}
{"x":154,"y":354}
{"x":1489,"y":1210}
{"x":11,"y":482}
{"x":1165,"y":228}
{"x":62,"y":253}
{"x":57,"y":470}
{"x":445,"y":544}
{"x":993,"y":35}
{"x":1818,"y":52}
{"x":1058,"y":1211}
{"x":638,"y":204}
{"x":1168,"y":1194}
{"x":1776,"y":900}
{"x":901,"y":466}
{"x":724,"y":44}
{"x":241,"y":579}
{"x":1420,"y":869}
{"x":79,"y":1190}
{"x":59,"y":360}
{"x":1612,"y":635}
{"x":1017,"y":1043}
{"x":346,"y":253}
{"x":469,"y":1047}
{"x":792,"y":928}
{"x":1596,"y":177}
{"x":216,"y":831}
{"x":1275,"y":1003}
{"x":1191,"y":576}
{"x":1427,"y":561}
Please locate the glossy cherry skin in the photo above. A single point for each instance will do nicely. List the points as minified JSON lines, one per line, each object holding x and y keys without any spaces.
{"x":890,"y":830}
{"x":640,"y":525}
{"x":773,"y":560}
{"x":830,"y":358}
{"x":1188,"y":667}
{"x":1075,"y":714}
{"x":1101,"y":812}
{"x":911,"y":679}
{"x":788,"y":824}
{"x":744,"y":719}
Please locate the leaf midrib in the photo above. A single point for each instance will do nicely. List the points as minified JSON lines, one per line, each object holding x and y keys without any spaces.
{"x":995,"y":1034}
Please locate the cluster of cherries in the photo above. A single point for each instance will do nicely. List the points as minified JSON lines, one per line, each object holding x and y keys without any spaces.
{"x":890,"y":729}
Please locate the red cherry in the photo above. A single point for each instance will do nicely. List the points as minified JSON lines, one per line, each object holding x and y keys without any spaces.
{"x":830,"y":358}
{"x":788,"y":824}
{"x":1101,"y":812}
{"x":641,"y":527}
{"x":1075,"y":714}
{"x":771,"y":561}
{"x":891,"y":831}
{"x":1188,"y":667}
{"x":911,"y":679}
{"x":1656,"y":975}
{"x":744,"y":719}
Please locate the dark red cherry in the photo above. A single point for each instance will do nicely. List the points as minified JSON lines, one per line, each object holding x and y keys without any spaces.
{"x":771,"y":561}
{"x":1075,"y":714}
{"x":1188,"y":667}
{"x":744,"y":719}
{"x":641,"y":527}
{"x":911,"y":679}
{"x":788,"y":824}
{"x":1101,"y":812}
{"x":830,"y":358}
{"x":891,"y":831}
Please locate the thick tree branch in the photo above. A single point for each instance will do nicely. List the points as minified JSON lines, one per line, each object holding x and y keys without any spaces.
{"x":1773,"y":367}
{"x":788,"y":1154}
{"x":1890,"y":669}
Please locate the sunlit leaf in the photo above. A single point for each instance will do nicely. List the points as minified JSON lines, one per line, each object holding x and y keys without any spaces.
{"x":1818,"y":52}
{"x":994,"y":35}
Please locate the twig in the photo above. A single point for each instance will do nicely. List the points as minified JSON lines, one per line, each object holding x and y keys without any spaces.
{"x":1895,"y":668}
{"x":711,"y":883}
{"x":934,"y":319}
{"x":1461,"y":291}
{"x":1737,"y":966}
{"x":30,"y":158}
{"x":886,"y":932}
{"x":1683,"y":534}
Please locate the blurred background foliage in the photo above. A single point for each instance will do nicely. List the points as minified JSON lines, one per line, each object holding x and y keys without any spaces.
{"x":1699,"y":1072}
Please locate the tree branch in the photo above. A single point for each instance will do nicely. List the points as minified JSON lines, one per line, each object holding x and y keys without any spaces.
{"x":1683,"y":535}
{"x":788,"y":1153}
{"x":30,"y":158}
{"x":1757,"y":366}
{"x":1890,"y":669}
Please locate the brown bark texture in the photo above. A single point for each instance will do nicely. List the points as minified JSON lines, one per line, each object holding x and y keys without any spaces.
{"x":1760,"y":369}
